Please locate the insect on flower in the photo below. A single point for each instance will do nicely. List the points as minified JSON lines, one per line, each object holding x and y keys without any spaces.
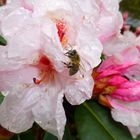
{"x":74,"y":63}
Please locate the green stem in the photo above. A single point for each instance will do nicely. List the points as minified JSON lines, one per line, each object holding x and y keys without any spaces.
{"x":18,"y":137}
{"x":97,"y":118}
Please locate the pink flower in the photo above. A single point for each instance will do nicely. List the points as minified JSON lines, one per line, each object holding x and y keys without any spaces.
{"x":34,"y":70}
{"x":117,"y":83}
{"x":122,"y":43}
{"x":30,"y":74}
{"x":126,"y":49}
{"x":102,"y":16}
{"x":116,"y":89}
{"x":76,"y":34}
{"x":109,"y":21}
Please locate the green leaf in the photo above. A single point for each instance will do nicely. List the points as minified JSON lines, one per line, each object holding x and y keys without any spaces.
{"x":29,"y":135}
{"x":2,"y":41}
{"x":49,"y":136}
{"x":102,"y":57}
{"x":1,"y":98}
{"x":67,"y":135}
{"x":94,"y":122}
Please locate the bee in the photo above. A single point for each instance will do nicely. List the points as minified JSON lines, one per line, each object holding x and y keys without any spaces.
{"x":74,"y":63}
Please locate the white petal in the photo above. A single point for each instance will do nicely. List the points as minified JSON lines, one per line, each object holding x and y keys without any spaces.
{"x":22,"y":33}
{"x":53,"y":5}
{"x":9,"y":64}
{"x":110,"y":19}
{"x":119,"y":43}
{"x":51,"y":44}
{"x":135,"y":131}
{"x":79,"y":89}
{"x":8,"y":8}
{"x":89,"y":48}
{"x":49,"y":112}
{"x":16,"y":114}
{"x":18,"y":78}
{"x":18,"y":17}
{"x":41,"y":7}
{"x":128,"y":114}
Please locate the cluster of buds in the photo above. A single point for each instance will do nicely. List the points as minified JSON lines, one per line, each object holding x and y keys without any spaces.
{"x":117,"y":79}
{"x":112,"y":83}
{"x":52,"y":47}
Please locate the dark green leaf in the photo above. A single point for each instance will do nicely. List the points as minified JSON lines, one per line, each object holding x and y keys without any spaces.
{"x":67,"y":135}
{"x":49,"y":136}
{"x":29,"y":135}
{"x":2,"y":41}
{"x":102,"y":57}
{"x":94,"y":122}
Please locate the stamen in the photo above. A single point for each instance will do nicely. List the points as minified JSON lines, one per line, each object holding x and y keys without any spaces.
{"x":46,"y":71}
{"x":104,"y":101}
{"x":36,"y":81}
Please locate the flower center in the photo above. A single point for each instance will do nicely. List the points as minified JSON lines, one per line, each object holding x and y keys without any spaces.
{"x":46,"y":71}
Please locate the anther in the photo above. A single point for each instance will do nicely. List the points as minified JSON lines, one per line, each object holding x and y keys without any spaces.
{"x":36,"y":81}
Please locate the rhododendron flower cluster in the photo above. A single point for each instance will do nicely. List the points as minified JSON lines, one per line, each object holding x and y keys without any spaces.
{"x":43,"y":37}
{"x":54,"y":50}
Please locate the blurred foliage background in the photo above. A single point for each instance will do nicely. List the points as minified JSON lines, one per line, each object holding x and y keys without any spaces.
{"x":133,"y":8}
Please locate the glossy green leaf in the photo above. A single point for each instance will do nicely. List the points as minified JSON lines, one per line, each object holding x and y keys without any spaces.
{"x":94,"y":122}
{"x":2,"y":41}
